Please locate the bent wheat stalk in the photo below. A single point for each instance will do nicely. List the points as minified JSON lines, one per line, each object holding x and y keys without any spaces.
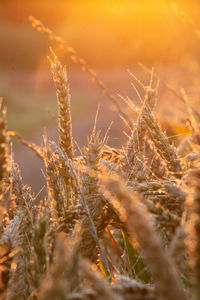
{"x":160,"y":266}
{"x":40,"y":27}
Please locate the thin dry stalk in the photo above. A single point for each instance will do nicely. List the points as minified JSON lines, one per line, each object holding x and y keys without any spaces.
{"x":167,"y":86}
{"x":186,"y":18}
{"x":36,"y":149}
{"x":39,"y":26}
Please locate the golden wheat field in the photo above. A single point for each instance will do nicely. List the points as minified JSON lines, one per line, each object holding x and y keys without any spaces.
{"x":99,"y":150}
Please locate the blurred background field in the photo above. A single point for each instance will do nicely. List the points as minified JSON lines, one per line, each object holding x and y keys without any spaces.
{"x":112,"y":36}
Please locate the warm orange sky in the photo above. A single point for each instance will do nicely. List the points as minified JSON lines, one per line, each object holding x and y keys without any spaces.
{"x":106,"y":33}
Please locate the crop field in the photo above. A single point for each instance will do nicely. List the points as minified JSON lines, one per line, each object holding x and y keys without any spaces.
{"x":99,"y":150}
